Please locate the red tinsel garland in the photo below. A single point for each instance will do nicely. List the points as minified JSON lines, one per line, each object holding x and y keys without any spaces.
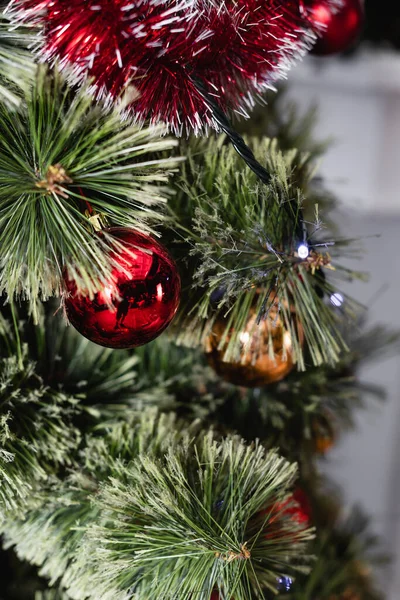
{"x":238,"y":48}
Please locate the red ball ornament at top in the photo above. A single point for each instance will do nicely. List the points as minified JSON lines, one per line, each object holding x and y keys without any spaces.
{"x":236,"y":48}
{"x":340,"y":26}
{"x":139,"y":301}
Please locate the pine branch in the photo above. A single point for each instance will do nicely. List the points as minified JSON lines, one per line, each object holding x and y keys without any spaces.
{"x":163,"y":507}
{"x":54,"y":387}
{"x":244,"y":240}
{"x":58,"y":153}
{"x":133,"y":452}
{"x":166,"y":536}
{"x":37,"y":433}
{"x":59,"y":512}
{"x":17,"y":67}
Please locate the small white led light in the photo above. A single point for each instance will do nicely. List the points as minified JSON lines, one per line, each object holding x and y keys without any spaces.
{"x":337,"y":299}
{"x":303,"y":251}
{"x":244,"y":337}
{"x":287,"y":340}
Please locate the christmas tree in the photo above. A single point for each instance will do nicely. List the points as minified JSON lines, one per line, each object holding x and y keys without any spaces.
{"x":150,"y":181}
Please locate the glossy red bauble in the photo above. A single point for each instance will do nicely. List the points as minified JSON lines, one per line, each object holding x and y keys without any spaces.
{"x":297,"y":508}
{"x":301,"y":513}
{"x":341,"y":25}
{"x":139,"y":301}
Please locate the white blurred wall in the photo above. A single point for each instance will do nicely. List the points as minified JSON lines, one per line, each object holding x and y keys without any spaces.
{"x":359,"y":105}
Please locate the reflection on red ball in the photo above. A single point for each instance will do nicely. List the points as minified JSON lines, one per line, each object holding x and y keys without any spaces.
{"x":341,"y":26}
{"x":297,"y":508}
{"x":300,"y":513}
{"x":139,"y":301}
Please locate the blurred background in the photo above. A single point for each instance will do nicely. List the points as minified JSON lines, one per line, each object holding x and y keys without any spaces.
{"x":357,"y":96}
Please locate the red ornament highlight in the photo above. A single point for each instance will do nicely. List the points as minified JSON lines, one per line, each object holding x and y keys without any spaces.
{"x":237,"y":48}
{"x":139,"y":301}
{"x":340,"y":27}
{"x":297,"y":508}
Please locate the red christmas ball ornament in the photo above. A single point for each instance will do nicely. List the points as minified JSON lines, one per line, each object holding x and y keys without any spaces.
{"x":159,"y":48}
{"x":340,"y":25}
{"x":138,"y":302}
{"x":297,"y":508}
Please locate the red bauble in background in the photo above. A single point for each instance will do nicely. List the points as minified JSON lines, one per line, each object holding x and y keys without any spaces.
{"x":340,"y":26}
{"x":301,"y":513}
{"x":139,"y":301}
{"x":297,"y":508}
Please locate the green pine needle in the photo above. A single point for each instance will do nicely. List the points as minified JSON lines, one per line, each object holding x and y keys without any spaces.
{"x":152,"y":497}
{"x":243,"y":238}
{"x":17,"y":67}
{"x":59,"y":511}
{"x":36,"y":432}
{"x":59,"y":152}
{"x":180,"y":526}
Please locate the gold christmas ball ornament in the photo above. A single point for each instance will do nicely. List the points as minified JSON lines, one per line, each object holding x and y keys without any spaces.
{"x":324,"y":433}
{"x":265,"y":354}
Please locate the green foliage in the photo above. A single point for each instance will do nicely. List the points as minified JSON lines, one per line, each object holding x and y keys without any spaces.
{"x":167,"y":537}
{"x":59,"y":152}
{"x":165,"y":520}
{"x":17,"y":67}
{"x":37,"y":434}
{"x":281,"y":120}
{"x":54,"y":386}
{"x":67,"y":476}
{"x":244,"y":238}
{"x":59,"y":512}
{"x":66,"y":386}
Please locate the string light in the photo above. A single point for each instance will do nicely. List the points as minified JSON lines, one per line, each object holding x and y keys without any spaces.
{"x":337,"y":299}
{"x":303,"y":251}
{"x":284,"y":583}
